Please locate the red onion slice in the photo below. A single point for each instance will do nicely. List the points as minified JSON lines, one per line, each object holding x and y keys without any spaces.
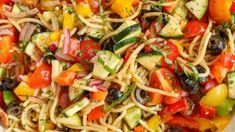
{"x":63,"y":57}
{"x":52,"y":48}
{"x":95,"y":82}
{"x":27,"y":32}
{"x":5,"y":31}
{"x":66,"y":41}
{"x":22,"y":14}
{"x":81,"y":75}
{"x":101,"y":88}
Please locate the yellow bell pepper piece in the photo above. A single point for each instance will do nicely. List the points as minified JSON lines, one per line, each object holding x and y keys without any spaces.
{"x":49,"y":125}
{"x":48,"y":8}
{"x":205,"y":124}
{"x":154,"y":122}
{"x":54,"y":36}
{"x":221,"y":122}
{"x":76,"y":68}
{"x":83,"y":8}
{"x":23,"y":91}
{"x":122,"y":7}
{"x":215,"y":96}
{"x":68,"y":21}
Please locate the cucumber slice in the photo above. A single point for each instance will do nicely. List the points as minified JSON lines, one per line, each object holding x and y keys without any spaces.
{"x":95,"y":33}
{"x":198,"y":7}
{"x":74,"y":108}
{"x":105,"y":64}
{"x":133,"y":116}
{"x":74,"y":91}
{"x":149,"y":61}
{"x":122,"y":46}
{"x":171,"y":29}
{"x":30,"y":51}
{"x":74,"y":120}
{"x":133,"y":30}
{"x":8,"y":97}
{"x":40,"y":40}
{"x":231,"y":84}
{"x":17,"y":8}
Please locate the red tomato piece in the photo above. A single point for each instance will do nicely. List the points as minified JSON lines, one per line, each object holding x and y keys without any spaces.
{"x":6,"y":45}
{"x":41,"y":77}
{"x":66,"y":78}
{"x":207,"y":111}
{"x":168,"y":9}
{"x":172,"y":100}
{"x":87,"y":50}
{"x":129,"y":52}
{"x":209,"y":84}
{"x":194,"y":28}
{"x":2,"y":104}
{"x":73,"y":47}
{"x":95,"y":114}
{"x":222,"y":66}
{"x":181,"y":105}
{"x":94,"y":4}
{"x":180,"y":121}
{"x":174,"y":53}
{"x":64,"y":100}
{"x":232,"y":8}
{"x":155,"y":98}
{"x":13,"y":33}
{"x":5,"y":1}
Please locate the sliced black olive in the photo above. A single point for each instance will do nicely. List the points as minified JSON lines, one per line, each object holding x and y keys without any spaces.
{"x":14,"y":109}
{"x":113,"y":95}
{"x":108,"y":45}
{"x":141,"y":96}
{"x":189,"y":84}
{"x":200,"y":69}
{"x":8,"y":84}
{"x":115,"y":25}
{"x":217,"y":41}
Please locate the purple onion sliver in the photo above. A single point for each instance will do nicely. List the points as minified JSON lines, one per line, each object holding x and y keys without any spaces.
{"x":94,"y":82}
{"x":63,"y":57}
{"x":101,"y":88}
{"x":81,"y":75}
{"x":66,"y":41}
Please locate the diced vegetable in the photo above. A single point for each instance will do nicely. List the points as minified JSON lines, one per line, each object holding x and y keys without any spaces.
{"x":172,"y":29}
{"x":8,"y":97}
{"x":1,"y":72}
{"x":231,"y":84}
{"x":95,"y":114}
{"x":74,"y":120}
{"x":66,"y":78}
{"x":205,"y":124}
{"x":122,"y":46}
{"x":40,"y":40}
{"x":198,"y":7}
{"x":17,"y":8}
{"x":215,"y":96}
{"x":183,"y":122}
{"x":64,"y":100}
{"x":99,"y":95}
{"x":220,"y":10}
{"x":105,"y":64}
{"x":6,"y":45}
{"x":139,"y":128}
{"x":53,"y":37}
{"x":122,"y":7}
{"x":149,"y":61}
{"x":23,"y":91}
{"x":133,"y":116}
{"x":194,"y":28}
{"x":74,"y":108}
{"x":95,"y":33}
{"x":74,"y":91}
{"x":222,"y":122}
{"x":83,"y":9}
{"x":207,"y":111}
{"x":154,"y":122}
{"x":68,"y":22}
{"x":41,"y":77}
{"x":76,"y":68}
{"x":226,"y":107}
{"x":31,"y":51}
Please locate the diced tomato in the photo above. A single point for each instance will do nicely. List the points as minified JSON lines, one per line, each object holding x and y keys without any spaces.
{"x":129,"y":52}
{"x":5,"y":1}
{"x":139,"y":128}
{"x":99,"y":95}
{"x":209,"y":84}
{"x":13,"y":33}
{"x":94,"y":5}
{"x":73,"y":47}
{"x":180,"y":121}
{"x":6,"y":45}
{"x":222,"y":66}
{"x":207,"y":111}
{"x":172,"y":100}
{"x":169,"y":9}
{"x":88,"y":49}
{"x":41,"y":77}
{"x":232,"y":8}
{"x":135,"y":2}
{"x":66,"y":78}
{"x":181,"y":105}
{"x":155,"y":98}
{"x":64,"y":100}
{"x":194,"y":28}
{"x":95,"y":114}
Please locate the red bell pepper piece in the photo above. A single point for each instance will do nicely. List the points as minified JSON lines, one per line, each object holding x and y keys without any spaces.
{"x":95,"y":114}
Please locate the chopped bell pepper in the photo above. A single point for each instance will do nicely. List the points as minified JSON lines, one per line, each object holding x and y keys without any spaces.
{"x":122,"y":7}
{"x":154,"y":122}
{"x":205,"y":124}
{"x":68,"y":21}
{"x":76,"y":68}
{"x":23,"y":91}
{"x":83,"y":8}
{"x":221,"y":122}
{"x":54,"y":36}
